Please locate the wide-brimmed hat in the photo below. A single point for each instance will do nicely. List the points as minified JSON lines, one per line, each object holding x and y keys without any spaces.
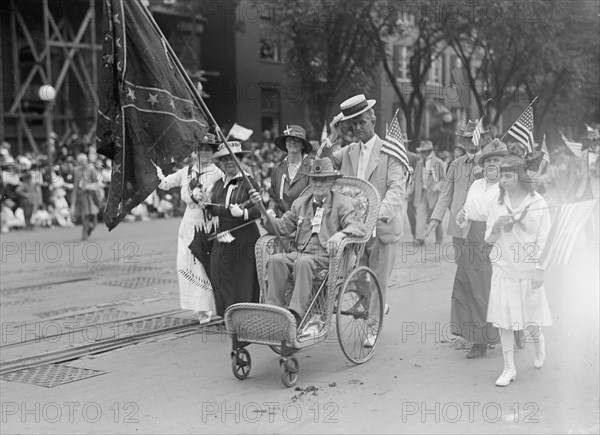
{"x":293,"y":131}
{"x":495,"y":148}
{"x":235,"y":146}
{"x":354,"y":106}
{"x":323,"y":168}
{"x":467,"y":130}
{"x":426,"y":145}
{"x":210,"y":139}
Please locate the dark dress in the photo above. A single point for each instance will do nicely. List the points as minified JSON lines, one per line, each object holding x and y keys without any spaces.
{"x":471,"y":290}
{"x":233,"y":265}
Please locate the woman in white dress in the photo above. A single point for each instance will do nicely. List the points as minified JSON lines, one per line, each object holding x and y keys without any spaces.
{"x":518,"y":226}
{"x":196,"y":181}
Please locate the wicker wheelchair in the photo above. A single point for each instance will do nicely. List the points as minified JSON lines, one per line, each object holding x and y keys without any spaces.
{"x":347,"y":290}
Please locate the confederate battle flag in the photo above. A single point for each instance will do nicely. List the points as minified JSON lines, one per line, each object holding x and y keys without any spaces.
{"x":147,"y":109}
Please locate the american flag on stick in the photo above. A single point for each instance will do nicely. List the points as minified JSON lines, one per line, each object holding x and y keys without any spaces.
{"x":546,"y":157}
{"x":567,"y":222}
{"x":477,"y":132}
{"x":593,"y":133}
{"x":522,"y":129}
{"x":393,"y":144}
{"x":575,"y":147}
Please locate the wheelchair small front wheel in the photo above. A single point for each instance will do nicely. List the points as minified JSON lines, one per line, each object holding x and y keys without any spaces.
{"x":241,"y":363}
{"x":289,"y":368}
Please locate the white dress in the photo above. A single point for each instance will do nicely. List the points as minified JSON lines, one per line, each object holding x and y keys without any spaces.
{"x":514,"y":257}
{"x":195,"y":289}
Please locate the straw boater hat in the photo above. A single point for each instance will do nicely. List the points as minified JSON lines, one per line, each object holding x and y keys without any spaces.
{"x":467,"y":130}
{"x":293,"y":131}
{"x":235,"y":146}
{"x":495,"y":148}
{"x":426,"y":145}
{"x":323,"y":168}
{"x":354,"y":106}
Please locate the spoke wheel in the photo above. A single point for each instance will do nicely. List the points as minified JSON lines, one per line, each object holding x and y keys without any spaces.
{"x":359,"y":314}
{"x":241,"y":363}
{"x":289,"y":369}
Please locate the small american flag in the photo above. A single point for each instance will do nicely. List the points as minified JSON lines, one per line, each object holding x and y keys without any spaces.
{"x":545,"y":150}
{"x":575,"y":147}
{"x":593,"y":133}
{"x":567,"y":222}
{"x":522,"y":129}
{"x":477,"y":132}
{"x":393,"y":144}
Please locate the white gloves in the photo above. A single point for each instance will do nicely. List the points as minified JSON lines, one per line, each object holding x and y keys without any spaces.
{"x":236,"y":210}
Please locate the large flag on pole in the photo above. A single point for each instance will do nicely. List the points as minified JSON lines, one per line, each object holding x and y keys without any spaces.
{"x":393,"y":144}
{"x":567,"y":222}
{"x":147,"y":110}
{"x":522,"y":129}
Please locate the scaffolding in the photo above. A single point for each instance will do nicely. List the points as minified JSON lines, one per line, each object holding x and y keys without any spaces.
{"x":50,"y":44}
{"x":58,"y":43}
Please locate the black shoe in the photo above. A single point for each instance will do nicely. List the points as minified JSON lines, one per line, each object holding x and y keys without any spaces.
{"x":477,"y":350}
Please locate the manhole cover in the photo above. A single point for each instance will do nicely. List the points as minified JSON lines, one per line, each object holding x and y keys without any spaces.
{"x":140,"y":282}
{"x":50,"y":375}
{"x":159,"y":323}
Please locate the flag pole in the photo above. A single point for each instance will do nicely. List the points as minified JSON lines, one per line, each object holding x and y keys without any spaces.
{"x":204,"y":107}
{"x":530,"y":104}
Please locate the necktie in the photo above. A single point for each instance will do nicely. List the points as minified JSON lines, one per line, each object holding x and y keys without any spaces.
{"x":362,"y":165}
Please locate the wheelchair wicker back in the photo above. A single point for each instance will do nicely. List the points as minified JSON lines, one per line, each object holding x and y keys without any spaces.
{"x":365,"y":200}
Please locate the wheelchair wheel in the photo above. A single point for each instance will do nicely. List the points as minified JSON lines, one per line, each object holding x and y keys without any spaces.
{"x":289,"y":370}
{"x":359,"y":314}
{"x":241,"y":363}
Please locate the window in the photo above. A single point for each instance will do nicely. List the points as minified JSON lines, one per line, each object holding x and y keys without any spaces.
{"x":402,"y":56}
{"x":435,"y":72}
{"x":270,"y":108}
{"x":270,"y":46}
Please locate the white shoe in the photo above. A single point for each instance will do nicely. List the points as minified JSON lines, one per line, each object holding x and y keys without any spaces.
{"x":509,"y":373}
{"x":507,"y":376}
{"x":310,"y":331}
{"x":204,"y":317}
{"x":540,"y":352}
{"x":370,"y":340}
{"x":386,"y":310}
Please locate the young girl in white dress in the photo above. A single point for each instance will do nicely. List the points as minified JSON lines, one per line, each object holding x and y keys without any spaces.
{"x":518,"y":226}
{"x":196,"y":181}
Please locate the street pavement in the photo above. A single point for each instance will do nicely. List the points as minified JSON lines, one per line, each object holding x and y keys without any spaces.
{"x":419,"y":380}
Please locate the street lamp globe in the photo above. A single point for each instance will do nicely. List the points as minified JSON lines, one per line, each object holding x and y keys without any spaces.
{"x":47,"y":93}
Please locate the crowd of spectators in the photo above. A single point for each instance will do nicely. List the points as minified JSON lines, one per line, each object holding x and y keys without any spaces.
{"x":35,"y":193}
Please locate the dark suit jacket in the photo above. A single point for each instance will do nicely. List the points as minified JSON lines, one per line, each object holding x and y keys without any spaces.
{"x":284,"y":192}
{"x":338,"y":215}
{"x":454,"y":191}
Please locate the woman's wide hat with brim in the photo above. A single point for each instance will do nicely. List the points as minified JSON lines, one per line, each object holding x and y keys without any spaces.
{"x":323,"y":168}
{"x":210,"y":139}
{"x":495,"y":148}
{"x":235,"y":146}
{"x":293,"y":131}
{"x":355,"y":106}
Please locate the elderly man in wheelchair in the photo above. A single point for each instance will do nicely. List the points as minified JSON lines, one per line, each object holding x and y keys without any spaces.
{"x":320,"y":218}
